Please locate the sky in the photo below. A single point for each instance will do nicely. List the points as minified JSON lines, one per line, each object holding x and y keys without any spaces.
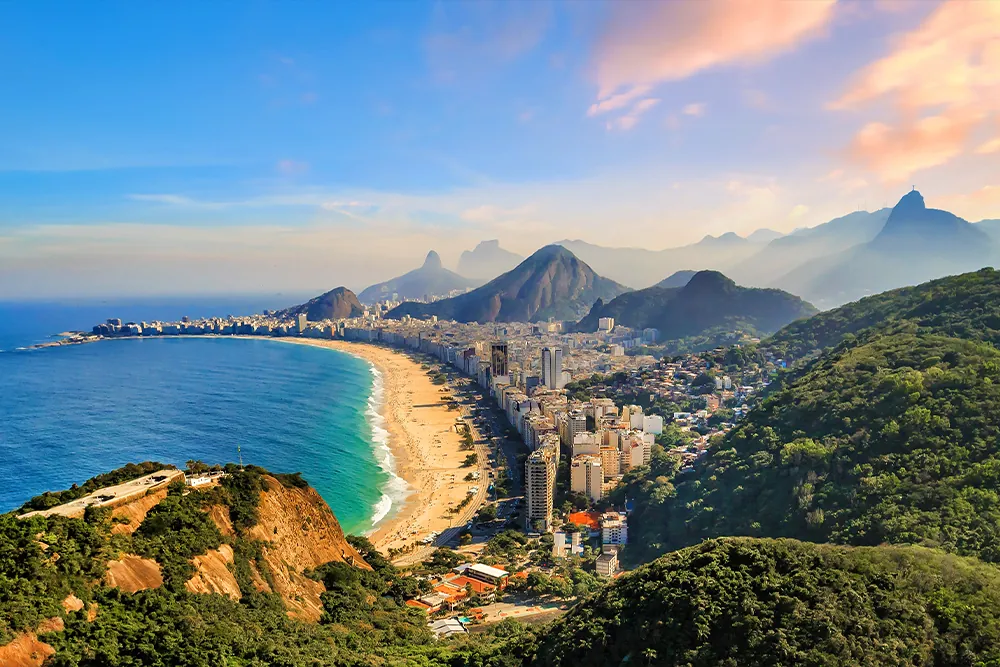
{"x":210,"y":147}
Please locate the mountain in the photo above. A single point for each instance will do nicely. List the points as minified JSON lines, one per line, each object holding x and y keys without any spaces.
{"x":915,"y":244}
{"x":745,"y":602}
{"x":964,"y":306}
{"x":487,"y":260}
{"x":763,"y":236}
{"x":431,"y":279}
{"x":676,"y":279}
{"x":803,"y":246}
{"x":890,"y":436}
{"x":709,"y":301}
{"x":637,"y":266}
{"x":991,"y":227}
{"x":552,"y":283}
{"x":337,"y":304}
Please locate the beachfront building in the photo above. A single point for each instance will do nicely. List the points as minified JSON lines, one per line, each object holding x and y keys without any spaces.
{"x":540,"y":485}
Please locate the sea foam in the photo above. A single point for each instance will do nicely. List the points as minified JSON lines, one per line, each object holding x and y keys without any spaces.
{"x":395,"y":489}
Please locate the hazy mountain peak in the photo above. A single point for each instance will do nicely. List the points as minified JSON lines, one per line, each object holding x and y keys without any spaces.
{"x":487,"y":260}
{"x":433,"y":261}
{"x":708,"y":280}
{"x":911,"y":201}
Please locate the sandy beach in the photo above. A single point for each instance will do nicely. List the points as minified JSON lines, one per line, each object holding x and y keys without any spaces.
{"x":423,"y":440}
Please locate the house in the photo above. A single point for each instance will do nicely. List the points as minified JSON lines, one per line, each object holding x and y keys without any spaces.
{"x":607,"y":562}
{"x":490,"y":575}
{"x":447,"y":627}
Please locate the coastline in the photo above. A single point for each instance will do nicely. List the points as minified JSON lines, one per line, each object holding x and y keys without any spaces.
{"x":424,"y":447}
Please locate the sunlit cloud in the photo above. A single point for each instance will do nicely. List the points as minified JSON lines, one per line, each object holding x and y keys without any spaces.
{"x":649,"y":43}
{"x":629,"y":120}
{"x":618,"y":101}
{"x":695,"y":109}
{"x":943,"y":81}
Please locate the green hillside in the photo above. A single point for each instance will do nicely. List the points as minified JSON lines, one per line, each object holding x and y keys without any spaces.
{"x":964,"y":306}
{"x":743,"y":601}
{"x":895,"y":440}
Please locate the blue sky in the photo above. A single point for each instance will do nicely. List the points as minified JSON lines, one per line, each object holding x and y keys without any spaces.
{"x":248,"y":146}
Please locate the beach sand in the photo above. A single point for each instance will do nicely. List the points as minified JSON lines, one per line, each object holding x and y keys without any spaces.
{"x":423,"y":441}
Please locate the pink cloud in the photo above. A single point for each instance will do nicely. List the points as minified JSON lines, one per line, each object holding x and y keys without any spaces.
{"x":292,"y":167}
{"x":942,"y":79}
{"x":648,"y":43}
{"x":695,"y":109}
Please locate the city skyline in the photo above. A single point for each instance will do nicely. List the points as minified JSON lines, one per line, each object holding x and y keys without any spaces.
{"x":276,"y":147}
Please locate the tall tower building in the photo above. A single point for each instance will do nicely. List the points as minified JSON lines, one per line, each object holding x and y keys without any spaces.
{"x":498,"y":359}
{"x":540,"y":485}
{"x":301,"y":322}
{"x":552,"y":368}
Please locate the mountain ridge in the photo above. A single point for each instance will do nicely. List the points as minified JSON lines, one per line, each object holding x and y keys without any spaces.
{"x":428,"y":280}
{"x":551,"y":283}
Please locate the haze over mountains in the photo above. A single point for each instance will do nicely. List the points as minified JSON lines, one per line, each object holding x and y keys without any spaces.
{"x":708,"y":300}
{"x":843,"y":259}
{"x":552,"y":283}
{"x":431,"y":279}
{"x":487,"y":261}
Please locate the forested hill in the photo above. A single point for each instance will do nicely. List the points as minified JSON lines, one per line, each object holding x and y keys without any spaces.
{"x":752,"y":602}
{"x":707,"y":301}
{"x":965,"y":306}
{"x":894,"y":440}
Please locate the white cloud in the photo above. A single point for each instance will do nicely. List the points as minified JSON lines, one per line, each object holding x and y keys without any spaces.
{"x":618,"y":101}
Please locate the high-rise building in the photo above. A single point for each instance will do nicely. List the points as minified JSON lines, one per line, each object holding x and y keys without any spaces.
{"x":301,"y":322}
{"x":575,"y":422}
{"x":605,"y":323}
{"x":552,"y":371}
{"x":586,"y":476}
{"x":498,"y":359}
{"x":540,"y":485}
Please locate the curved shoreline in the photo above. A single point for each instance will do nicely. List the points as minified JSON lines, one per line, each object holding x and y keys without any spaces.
{"x":425,"y":448}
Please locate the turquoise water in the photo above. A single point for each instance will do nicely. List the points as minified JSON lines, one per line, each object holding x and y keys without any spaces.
{"x":69,"y":413}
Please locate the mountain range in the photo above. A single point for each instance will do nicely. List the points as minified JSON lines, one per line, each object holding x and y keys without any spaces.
{"x":487,"y":260}
{"x":640,"y":267}
{"x":914,"y":245}
{"x":708,"y":300}
{"x":429,"y":280}
{"x":550,"y":284}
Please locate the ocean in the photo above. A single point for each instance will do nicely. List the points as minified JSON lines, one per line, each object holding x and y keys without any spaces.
{"x":69,"y":413}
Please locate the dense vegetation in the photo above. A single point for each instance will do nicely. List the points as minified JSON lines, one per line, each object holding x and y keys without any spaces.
{"x":893,"y":440}
{"x":709,"y":309}
{"x":44,"y":559}
{"x":121,"y":475}
{"x":964,"y":306}
{"x":744,"y":601}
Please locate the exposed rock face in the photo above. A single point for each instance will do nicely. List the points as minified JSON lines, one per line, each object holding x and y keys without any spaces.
{"x":301,"y":533}
{"x":132,"y":573}
{"x":552,"y":283}
{"x":27,"y":650}
{"x":213,"y":574}
{"x":135,"y":511}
